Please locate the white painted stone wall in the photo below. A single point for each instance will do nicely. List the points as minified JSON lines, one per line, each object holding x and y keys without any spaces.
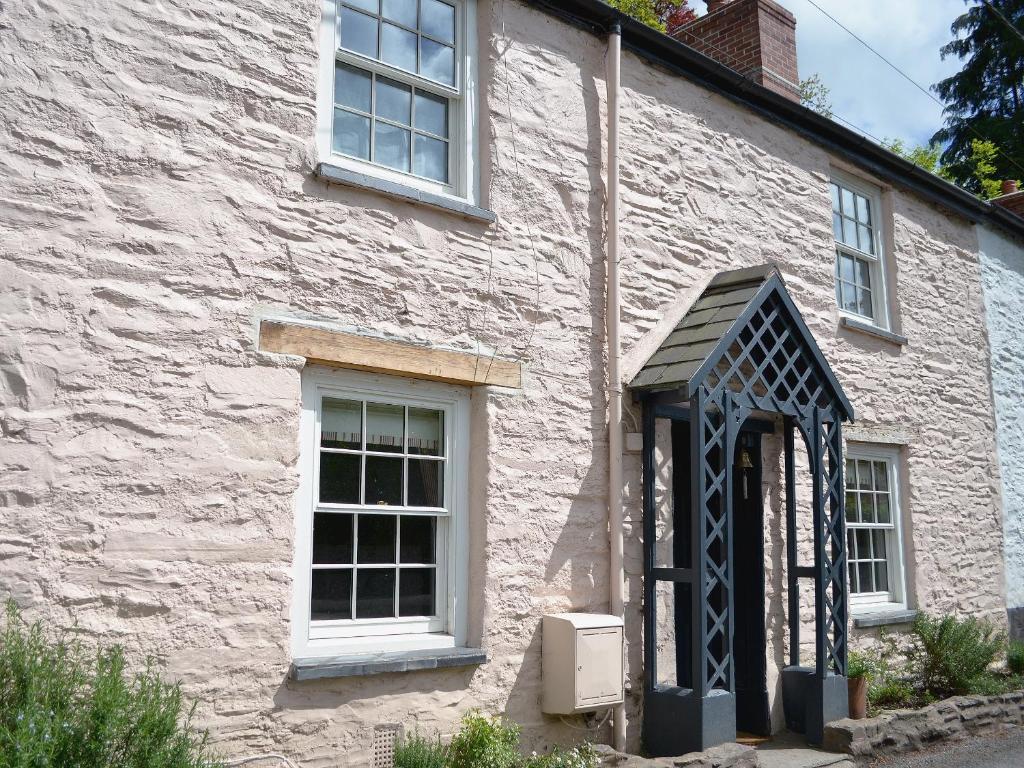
{"x":158,"y":199}
{"x":1002,"y":265}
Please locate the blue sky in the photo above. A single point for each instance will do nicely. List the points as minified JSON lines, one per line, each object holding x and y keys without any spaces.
{"x":864,"y":90}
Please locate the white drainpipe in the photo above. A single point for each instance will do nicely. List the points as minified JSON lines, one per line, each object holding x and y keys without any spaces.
{"x":616,"y":572}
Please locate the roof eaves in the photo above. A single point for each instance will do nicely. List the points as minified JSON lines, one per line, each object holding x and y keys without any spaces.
{"x":596,"y":17}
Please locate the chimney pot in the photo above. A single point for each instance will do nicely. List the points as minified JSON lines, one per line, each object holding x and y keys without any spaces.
{"x":1009,"y":187}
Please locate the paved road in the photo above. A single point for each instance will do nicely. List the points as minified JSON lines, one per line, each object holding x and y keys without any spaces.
{"x":1005,"y":751}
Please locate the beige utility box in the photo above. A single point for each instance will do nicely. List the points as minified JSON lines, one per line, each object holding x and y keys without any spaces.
{"x":582,"y":662}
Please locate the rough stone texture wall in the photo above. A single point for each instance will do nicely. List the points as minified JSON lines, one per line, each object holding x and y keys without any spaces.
{"x":914,"y":729}
{"x":158,"y":199}
{"x":1002,"y":264}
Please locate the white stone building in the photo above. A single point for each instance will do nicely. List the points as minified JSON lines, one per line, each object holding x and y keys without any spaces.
{"x":303,"y":363}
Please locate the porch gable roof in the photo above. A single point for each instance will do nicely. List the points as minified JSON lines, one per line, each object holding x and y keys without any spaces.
{"x":694,"y":349}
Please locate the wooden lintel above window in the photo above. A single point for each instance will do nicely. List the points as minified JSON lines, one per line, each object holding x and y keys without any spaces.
{"x":365,"y":353}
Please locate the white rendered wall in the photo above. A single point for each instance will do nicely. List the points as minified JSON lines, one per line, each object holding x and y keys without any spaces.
{"x":1002,"y":262}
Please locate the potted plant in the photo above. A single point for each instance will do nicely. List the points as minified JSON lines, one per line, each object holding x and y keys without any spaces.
{"x":857,"y":685}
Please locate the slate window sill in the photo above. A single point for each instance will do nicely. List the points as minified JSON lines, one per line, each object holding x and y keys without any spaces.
{"x":358,"y":665}
{"x":884,"y":618}
{"x":338,"y":175}
{"x":871,"y":330}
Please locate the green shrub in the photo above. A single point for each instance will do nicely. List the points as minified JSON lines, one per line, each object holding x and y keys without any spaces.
{"x":485,"y":742}
{"x":858,"y":665}
{"x":1015,"y":657}
{"x":890,"y":694}
{"x":954,"y":655}
{"x":60,"y":707}
{"x":582,"y":756}
{"x":420,"y":752}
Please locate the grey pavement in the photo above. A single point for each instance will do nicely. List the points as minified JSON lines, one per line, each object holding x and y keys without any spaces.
{"x":1001,"y":751}
{"x":792,"y":751}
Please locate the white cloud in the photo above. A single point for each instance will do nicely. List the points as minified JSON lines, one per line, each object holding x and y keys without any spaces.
{"x":864,"y":89}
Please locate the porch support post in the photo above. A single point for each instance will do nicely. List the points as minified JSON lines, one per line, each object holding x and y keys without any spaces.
{"x":793,"y":581}
{"x":650,"y":535}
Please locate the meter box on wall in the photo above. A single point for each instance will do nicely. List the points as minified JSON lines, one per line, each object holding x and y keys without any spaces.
{"x":582,"y":662}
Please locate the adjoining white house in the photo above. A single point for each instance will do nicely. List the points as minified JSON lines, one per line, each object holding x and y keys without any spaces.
{"x":345,"y":341}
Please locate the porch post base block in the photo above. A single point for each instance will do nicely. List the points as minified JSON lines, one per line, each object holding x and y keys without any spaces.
{"x":810,"y":702}
{"x":679,"y":720}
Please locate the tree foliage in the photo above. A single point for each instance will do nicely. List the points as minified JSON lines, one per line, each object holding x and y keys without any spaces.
{"x":985,"y":100}
{"x":980,"y":164}
{"x":814,"y":94}
{"x":663,"y":15}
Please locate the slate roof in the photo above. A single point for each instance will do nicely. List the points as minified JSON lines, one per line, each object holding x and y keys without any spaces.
{"x":713,"y":323}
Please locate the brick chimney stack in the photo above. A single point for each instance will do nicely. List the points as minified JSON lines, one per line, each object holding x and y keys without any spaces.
{"x":757,"y":38}
{"x":1011,"y":199}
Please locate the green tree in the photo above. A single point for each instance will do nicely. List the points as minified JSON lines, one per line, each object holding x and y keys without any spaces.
{"x":814,"y":94}
{"x":927,"y":157}
{"x":663,"y":15}
{"x":985,"y":100}
{"x":980,"y":164}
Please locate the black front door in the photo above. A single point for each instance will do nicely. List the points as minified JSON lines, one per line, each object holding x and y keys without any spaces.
{"x":749,"y":646}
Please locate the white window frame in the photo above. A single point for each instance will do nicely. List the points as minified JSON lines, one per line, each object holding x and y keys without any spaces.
{"x":877,"y":262}
{"x":896,"y":598}
{"x":339,"y":637}
{"x":463,"y":142}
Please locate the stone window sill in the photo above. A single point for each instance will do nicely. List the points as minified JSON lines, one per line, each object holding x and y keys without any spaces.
{"x":884,"y":618}
{"x":358,"y":665}
{"x":871,"y":330}
{"x":338,"y":175}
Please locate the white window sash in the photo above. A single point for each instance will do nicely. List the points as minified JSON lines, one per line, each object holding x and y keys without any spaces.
{"x":876,"y":261}
{"x":463,"y":143}
{"x":336,"y":636}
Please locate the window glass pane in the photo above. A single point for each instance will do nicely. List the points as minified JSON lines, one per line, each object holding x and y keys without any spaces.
{"x":332,"y":538}
{"x":366,"y":5}
{"x":339,"y":478}
{"x":835,"y":197}
{"x":864,"y":475}
{"x":837,"y":227}
{"x":881,"y":576}
{"x":851,"y":507}
{"x":392,"y":146}
{"x":384,"y":481}
{"x":867,"y":508}
{"x":358,"y":32}
{"x":849,"y":297}
{"x":850,"y":232}
{"x":385,"y":427}
{"x":375,"y":593}
{"x":426,"y":431}
{"x":865,"y":242}
{"x":863,"y":273}
{"x":398,"y":47}
{"x":432,"y":114}
{"x":851,"y":546}
{"x":854,"y":581}
{"x":418,"y":539}
{"x":402,"y":11}
{"x":881,"y":470}
{"x":878,"y":545}
{"x":341,"y":424}
{"x":864,"y":577}
{"x":330,"y":595}
{"x":851,"y":474}
{"x":416,"y":592}
{"x":848,"y":205}
{"x":394,"y":101}
{"x":438,"y":20}
{"x":864,"y":306}
{"x":352,"y":87}
{"x":426,"y":483}
{"x":863,"y":210}
{"x":377,"y":537}
{"x":846,"y":271}
{"x":863,"y":538}
{"x":883,"y":508}
{"x":351,"y":134}
{"x":437,"y":61}
{"x":431,"y":158}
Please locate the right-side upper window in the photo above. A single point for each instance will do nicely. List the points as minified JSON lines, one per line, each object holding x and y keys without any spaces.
{"x":860,"y":279}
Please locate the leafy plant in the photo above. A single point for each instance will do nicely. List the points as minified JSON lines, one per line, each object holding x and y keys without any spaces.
{"x":420,"y":752}
{"x":814,"y":94}
{"x":954,"y":655}
{"x":857,"y":666}
{"x":1015,"y":657}
{"x":485,"y":742}
{"x":582,"y":756}
{"x":60,"y":707}
{"x":662,"y":15}
{"x":891,"y":694}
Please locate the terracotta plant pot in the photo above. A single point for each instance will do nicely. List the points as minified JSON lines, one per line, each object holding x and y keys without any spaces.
{"x":857,"y":691}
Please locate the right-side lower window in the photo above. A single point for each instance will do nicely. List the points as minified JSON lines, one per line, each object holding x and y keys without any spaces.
{"x":860,"y":281}
{"x":874,"y":536}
